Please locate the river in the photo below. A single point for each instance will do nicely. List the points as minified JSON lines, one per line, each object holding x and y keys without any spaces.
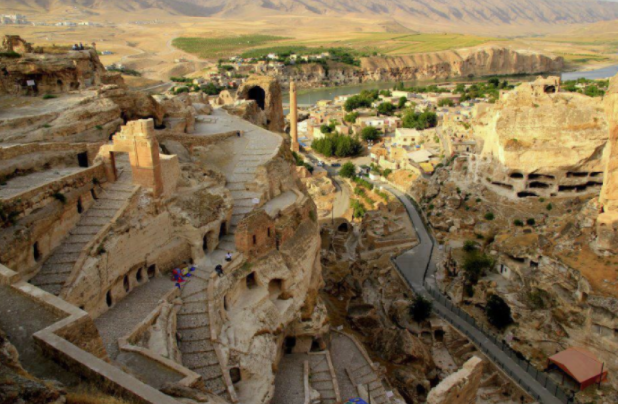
{"x":311,"y":96}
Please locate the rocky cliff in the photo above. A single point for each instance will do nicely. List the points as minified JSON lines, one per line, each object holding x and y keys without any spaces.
{"x":472,"y":62}
{"x":537,"y":141}
{"x":607,"y":228}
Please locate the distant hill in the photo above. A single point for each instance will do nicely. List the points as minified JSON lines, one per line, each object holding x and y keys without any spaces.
{"x":410,"y":13}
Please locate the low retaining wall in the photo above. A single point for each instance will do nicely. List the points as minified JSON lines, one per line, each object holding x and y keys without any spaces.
{"x":126,"y":343}
{"x":86,"y":358}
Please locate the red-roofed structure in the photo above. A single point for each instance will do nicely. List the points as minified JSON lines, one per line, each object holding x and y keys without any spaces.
{"x":581,"y":365}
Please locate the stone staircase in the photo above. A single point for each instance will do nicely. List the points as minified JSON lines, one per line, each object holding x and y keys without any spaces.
{"x":364,"y":375}
{"x":320,"y":378}
{"x":193,"y":324}
{"x":259,"y":150}
{"x":60,"y":264}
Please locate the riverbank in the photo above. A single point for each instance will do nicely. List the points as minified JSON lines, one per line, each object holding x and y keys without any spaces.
{"x":313,"y":95}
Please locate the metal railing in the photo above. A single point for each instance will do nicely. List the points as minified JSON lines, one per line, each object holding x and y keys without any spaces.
{"x":541,"y":377}
{"x":544,"y":379}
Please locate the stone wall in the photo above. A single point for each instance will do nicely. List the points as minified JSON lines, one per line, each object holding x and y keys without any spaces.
{"x":256,"y":234}
{"x":45,"y":220}
{"x":460,"y":387}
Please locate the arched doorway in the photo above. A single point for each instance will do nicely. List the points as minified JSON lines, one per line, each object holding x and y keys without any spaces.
{"x":259,"y":95}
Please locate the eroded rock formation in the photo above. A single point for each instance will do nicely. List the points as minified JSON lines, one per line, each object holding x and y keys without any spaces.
{"x":607,"y":222}
{"x":537,"y":141}
{"x":471,"y":62}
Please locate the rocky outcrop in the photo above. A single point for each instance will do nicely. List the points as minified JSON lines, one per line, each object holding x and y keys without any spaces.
{"x":18,"y":386}
{"x":472,"y":62}
{"x":42,"y":73}
{"x":460,"y":387}
{"x":539,"y":142}
{"x":607,"y":227}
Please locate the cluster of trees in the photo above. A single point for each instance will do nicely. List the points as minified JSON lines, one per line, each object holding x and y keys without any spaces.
{"x":333,"y":145}
{"x":592,"y":88}
{"x":386,"y":108}
{"x":419,"y":120}
{"x":433,"y":88}
{"x":490,"y":89}
{"x":362,"y":100}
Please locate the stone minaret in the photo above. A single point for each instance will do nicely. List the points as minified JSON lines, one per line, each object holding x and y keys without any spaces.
{"x":293,"y":116}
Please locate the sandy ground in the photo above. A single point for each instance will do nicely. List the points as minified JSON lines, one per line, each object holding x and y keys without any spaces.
{"x":147,"y":46}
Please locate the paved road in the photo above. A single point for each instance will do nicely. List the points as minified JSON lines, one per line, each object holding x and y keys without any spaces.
{"x":413,"y":263}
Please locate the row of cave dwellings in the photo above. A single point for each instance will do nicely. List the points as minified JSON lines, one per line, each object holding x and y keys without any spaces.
{"x":546,"y":184}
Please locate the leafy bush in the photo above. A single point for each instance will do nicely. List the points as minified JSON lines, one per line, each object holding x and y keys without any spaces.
{"x":531,"y":221}
{"x":446,"y":102}
{"x":180,"y":90}
{"x":211,"y":89}
{"x":348,"y":170}
{"x":489,"y":216}
{"x":358,"y":208}
{"x":549,"y":206}
{"x":181,"y":79}
{"x":386,"y":172}
{"x":475,"y":265}
{"x":402,"y":102}
{"x":382,"y":194}
{"x":420,"y":309}
{"x":359,"y":192}
{"x":364,"y":184}
{"x":469,"y":246}
{"x":49,"y":96}
{"x":518,"y":222}
{"x":351,"y":117}
{"x":498,"y":312}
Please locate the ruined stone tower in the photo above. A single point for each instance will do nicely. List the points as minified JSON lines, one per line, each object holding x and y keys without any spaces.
{"x":293,"y":116}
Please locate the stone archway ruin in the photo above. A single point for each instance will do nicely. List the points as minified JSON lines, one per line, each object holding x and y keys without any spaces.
{"x":258,"y":94}
{"x":138,"y":139}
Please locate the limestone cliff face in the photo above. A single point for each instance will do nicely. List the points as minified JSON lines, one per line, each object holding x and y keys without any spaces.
{"x":473,"y":62}
{"x":459,"y":63}
{"x":539,"y":142}
{"x":607,"y":229}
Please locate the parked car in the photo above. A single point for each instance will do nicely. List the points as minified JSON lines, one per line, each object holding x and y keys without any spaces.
{"x":335,"y":165}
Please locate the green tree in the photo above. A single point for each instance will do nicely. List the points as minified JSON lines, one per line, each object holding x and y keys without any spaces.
{"x":386,"y":108}
{"x":369,"y":133}
{"x":348,"y":170}
{"x":358,"y":210}
{"x":325,"y":129}
{"x":446,"y":102}
{"x":420,"y":309}
{"x":402,"y":102}
{"x":498,"y":312}
{"x":494,"y":82}
{"x":475,"y":265}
